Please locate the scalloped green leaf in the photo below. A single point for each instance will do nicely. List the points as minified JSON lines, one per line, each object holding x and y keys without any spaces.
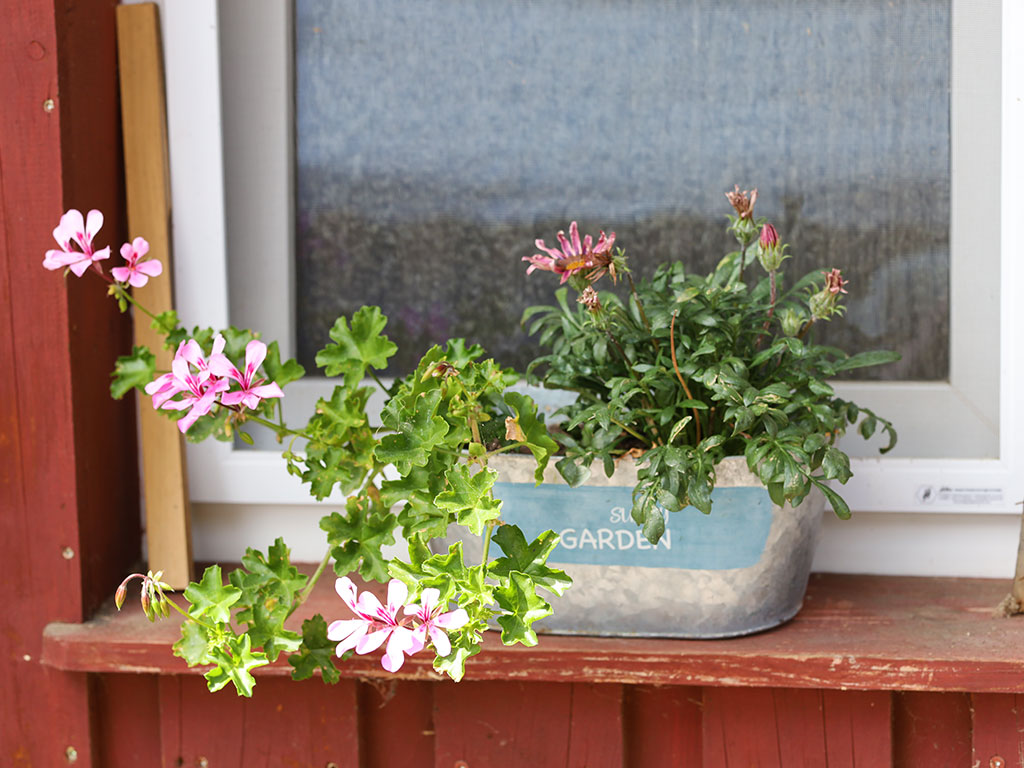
{"x":210,"y":597}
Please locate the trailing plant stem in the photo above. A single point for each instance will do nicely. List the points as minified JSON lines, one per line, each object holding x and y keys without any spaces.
{"x":679,"y":375}
{"x":773,"y":296}
{"x":487,"y":540}
{"x":308,"y":589}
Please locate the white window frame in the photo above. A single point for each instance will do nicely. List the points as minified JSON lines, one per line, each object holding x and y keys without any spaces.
{"x":898,"y":526}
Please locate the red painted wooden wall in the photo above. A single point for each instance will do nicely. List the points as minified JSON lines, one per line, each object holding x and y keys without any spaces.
{"x":69,"y":518}
{"x":69,"y":530}
{"x":172,"y":720}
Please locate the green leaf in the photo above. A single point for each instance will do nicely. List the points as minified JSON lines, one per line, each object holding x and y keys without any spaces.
{"x":211,"y":597}
{"x":518,"y":596}
{"x":454,"y":664}
{"x":233,"y":665}
{"x":358,"y":347}
{"x":862,"y":359}
{"x":572,"y":471}
{"x":315,"y":653}
{"x":418,"y":434}
{"x":281,"y":373}
{"x":165,"y":322}
{"x":273,"y":571}
{"x":836,"y":465}
{"x":235,"y":341}
{"x":528,"y":558}
{"x":698,"y":493}
{"x":679,"y":427}
{"x":356,"y":539}
{"x":469,"y":497}
{"x":418,"y":489}
{"x":266,"y":628}
{"x":540,"y":443}
{"x":839,"y":505}
{"x":194,"y":643}
{"x":132,"y":371}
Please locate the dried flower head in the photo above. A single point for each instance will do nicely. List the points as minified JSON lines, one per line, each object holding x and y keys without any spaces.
{"x":589,"y":299}
{"x":834,"y":282}
{"x":742,"y":202}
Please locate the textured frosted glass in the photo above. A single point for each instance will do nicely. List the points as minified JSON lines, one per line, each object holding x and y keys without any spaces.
{"x":436,"y":139}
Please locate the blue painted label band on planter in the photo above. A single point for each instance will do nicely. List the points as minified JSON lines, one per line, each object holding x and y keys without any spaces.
{"x":596,"y":528}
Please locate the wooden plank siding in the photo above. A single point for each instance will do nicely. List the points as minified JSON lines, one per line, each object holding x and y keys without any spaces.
{"x":69,"y":516}
{"x":921,"y":674}
{"x":173,"y":721}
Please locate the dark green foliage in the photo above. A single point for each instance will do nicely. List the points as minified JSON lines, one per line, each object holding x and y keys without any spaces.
{"x":693,"y":368}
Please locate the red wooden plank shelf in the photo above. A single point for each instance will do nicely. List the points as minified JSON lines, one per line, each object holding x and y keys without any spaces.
{"x":854,"y":633}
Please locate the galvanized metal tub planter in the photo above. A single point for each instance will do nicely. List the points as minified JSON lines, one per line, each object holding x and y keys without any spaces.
{"x":742,"y":569}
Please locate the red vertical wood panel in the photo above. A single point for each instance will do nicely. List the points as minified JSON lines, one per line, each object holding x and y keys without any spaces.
{"x":127,"y":715}
{"x":858,"y":728}
{"x":65,"y":520}
{"x":931,"y":730}
{"x":767,"y":728}
{"x":284,"y":724}
{"x":543,"y":725}
{"x":396,"y":724}
{"x":662,"y":726}
{"x":998,"y":730}
{"x":595,"y":726}
{"x":740,"y":728}
{"x":800,"y":724}
{"x":106,"y":463}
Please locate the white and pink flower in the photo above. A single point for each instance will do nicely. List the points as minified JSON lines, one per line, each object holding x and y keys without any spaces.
{"x":76,"y":230}
{"x":374,"y":624}
{"x":435,"y":622}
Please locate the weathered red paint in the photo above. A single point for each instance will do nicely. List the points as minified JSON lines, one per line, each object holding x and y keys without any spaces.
{"x":396,"y":724}
{"x":662,"y":725}
{"x":855,"y":632}
{"x":68,"y":488}
{"x":997,"y":730}
{"x":931,"y":729}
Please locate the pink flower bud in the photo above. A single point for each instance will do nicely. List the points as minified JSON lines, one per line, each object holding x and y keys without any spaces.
{"x":769,"y":237}
{"x":119,"y":596}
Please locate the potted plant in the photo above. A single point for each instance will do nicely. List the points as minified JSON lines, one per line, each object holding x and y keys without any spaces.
{"x":692,"y":375}
{"x":436,"y":432}
{"x":705,"y":404}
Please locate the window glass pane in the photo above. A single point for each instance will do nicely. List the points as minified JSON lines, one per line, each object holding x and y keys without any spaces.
{"x":437,"y":139}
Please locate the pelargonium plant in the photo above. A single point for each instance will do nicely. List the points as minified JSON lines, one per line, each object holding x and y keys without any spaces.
{"x":420,"y":471}
{"x":688,"y":369}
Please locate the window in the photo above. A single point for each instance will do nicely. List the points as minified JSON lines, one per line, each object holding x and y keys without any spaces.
{"x":943,"y":505}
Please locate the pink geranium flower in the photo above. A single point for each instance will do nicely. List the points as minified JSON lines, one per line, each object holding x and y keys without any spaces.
{"x":576,"y":255}
{"x":166,"y":386}
{"x":138,"y":272}
{"x":374,"y":624}
{"x":74,"y":229}
{"x":252,"y":388}
{"x":435,"y":621}
{"x":198,"y":389}
{"x":199,"y":393}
